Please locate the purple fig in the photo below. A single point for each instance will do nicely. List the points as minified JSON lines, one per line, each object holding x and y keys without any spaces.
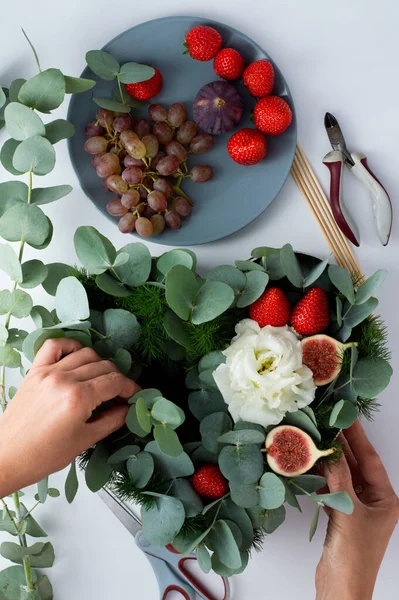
{"x":218,"y":107}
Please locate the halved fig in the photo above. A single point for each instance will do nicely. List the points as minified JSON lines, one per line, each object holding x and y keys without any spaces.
{"x":323,"y":355}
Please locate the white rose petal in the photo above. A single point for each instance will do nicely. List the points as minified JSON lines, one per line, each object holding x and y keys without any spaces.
{"x":263,"y":377}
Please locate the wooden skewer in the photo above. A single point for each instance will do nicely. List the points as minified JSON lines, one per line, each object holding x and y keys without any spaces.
{"x":314,"y":195}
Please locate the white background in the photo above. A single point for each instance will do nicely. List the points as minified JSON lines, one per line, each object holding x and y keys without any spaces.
{"x":340,"y":57}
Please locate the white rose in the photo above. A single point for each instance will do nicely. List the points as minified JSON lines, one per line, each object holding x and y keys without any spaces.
{"x":263,"y":377}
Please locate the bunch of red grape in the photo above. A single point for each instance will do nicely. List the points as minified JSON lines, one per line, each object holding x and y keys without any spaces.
{"x":144,"y":163}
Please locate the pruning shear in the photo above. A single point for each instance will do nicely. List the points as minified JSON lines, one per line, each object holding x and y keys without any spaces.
{"x":169,"y":566}
{"x":357,"y":164}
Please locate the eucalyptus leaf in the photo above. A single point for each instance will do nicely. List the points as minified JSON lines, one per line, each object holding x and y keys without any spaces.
{"x":229,"y":275}
{"x":108,"y":284}
{"x":371,"y":376}
{"x":9,"y":263}
{"x":338,"y":500}
{"x":24,"y":222}
{"x":32,"y":526}
{"x":123,"y":360}
{"x":150,"y":395}
{"x":94,"y":251}
{"x":270,"y":261}
{"x":342,"y":280}
{"x":172,"y":258}
{"x":244,"y":494}
{"x":3,"y":98}
{"x":80,"y":336}
{"x":303,"y":421}
{"x":121,"y":328}
{"x":271,"y":491}
{"x":309,"y":412}
{"x":123,"y":454}
{"x":16,"y":338}
{"x":34,"y":273}
{"x":9,"y":357}
{"x":3,"y":334}
{"x":35,"y":340}
{"x":133,"y":72}
{"x":241,"y":463}
{"x":181,"y":289}
{"x":211,"y":361}
{"x":12,"y":192}
{"x":343,"y":414}
{"x":170,"y":466}
{"x":71,"y":483}
{"x":338,"y":305}
{"x":224,"y":545}
{"x":212,"y":427}
{"x":41,"y":316}
{"x":113,"y":105}
{"x":35,"y":154}
{"x":184,"y":491}
{"x":359,"y":313}
{"x":212,"y":299}
{"x":121,"y":259}
{"x":206,"y":402}
{"x":316,"y":272}
{"x":202,"y":456}
{"x":43,"y":92}
{"x":137,"y":270}
{"x":232,"y":512}
{"x":22,"y":123}
{"x":242,"y":437}
{"x":42,"y":489}
{"x":143,"y":415}
{"x":76,"y":85}
{"x":248,"y":265}
{"x":255,"y":285}
{"x":15,"y":86}
{"x":309,"y":483}
{"x":176,"y":329}
{"x":370,"y":286}
{"x":13,"y":585}
{"x":71,"y":300}
{"x":167,"y":440}
{"x":103,"y":64}
{"x":55,"y":272}
{"x":220,"y":569}
{"x":58,"y":130}
{"x":291,"y":266}
{"x":126,"y":98}
{"x":290,"y":494}
{"x":98,"y":470}
{"x":140,"y":468}
{"x":168,"y":413}
{"x":132,"y":422}
{"x":204,"y":559}
{"x":163,"y":520}
{"x":17,"y":302}
{"x":7,"y":156}
{"x":272,"y":519}
{"x":314,"y":523}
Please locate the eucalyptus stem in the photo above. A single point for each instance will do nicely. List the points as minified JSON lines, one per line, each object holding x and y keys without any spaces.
{"x":120,"y":89}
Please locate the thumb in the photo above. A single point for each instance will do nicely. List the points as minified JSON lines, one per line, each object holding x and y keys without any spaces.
{"x":109,"y":421}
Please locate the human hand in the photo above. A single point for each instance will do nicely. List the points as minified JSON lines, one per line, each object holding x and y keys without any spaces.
{"x":46,"y":426}
{"x":355,"y":544}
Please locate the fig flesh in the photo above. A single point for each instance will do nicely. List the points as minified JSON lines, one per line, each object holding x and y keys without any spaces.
{"x":291,"y":451}
{"x":323,"y":355}
{"x":218,"y":107}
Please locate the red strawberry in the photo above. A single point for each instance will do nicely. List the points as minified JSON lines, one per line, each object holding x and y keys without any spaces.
{"x":228,"y":64}
{"x":311,"y":315}
{"x":203,"y":42}
{"x":144,"y":90}
{"x":272,"y":115}
{"x":247,"y":146}
{"x":272,"y":308}
{"x":209,"y":482}
{"x":259,"y":78}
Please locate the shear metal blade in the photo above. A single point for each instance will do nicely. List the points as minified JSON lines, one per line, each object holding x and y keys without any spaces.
{"x":336,"y":137}
{"x":121,"y":511}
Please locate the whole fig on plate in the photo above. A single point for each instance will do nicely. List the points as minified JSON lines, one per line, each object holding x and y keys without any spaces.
{"x":218,"y":107}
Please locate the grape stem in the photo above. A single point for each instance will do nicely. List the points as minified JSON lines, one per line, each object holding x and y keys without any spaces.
{"x":180,"y":192}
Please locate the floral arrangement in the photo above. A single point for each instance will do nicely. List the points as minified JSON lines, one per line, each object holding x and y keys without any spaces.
{"x":247,"y":375}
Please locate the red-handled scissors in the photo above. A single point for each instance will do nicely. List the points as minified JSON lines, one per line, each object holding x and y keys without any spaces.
{"x":170,"y":567}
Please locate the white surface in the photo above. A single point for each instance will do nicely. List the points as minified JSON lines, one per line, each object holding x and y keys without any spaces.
{"x":340,"y":57}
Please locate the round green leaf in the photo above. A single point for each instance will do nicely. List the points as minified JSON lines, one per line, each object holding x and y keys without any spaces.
{"x":170,"y":466}
{"x":7,"y":156}
{"x":271,"y":491}
{"x":123,"y":454}
{"x":202,"y":456}
{"x":48,"y":239}
{"x":224,"y":545}
{"x":24,"y":222}
{"x":359,"y":313}
{"x":15,"y":86}
{"x":13,"y":585}
{"x":184,"y":491}
{"x":113,"y":105}
{"x":176,"y":329}
{"x":230,"y":276}
{"x":291,"y":266}
{"x":241,"y":463}
{"x":102,"y":64}
{"x":272,"y":519}
{"x":371,"y":376}
{"x":34,"y":273}
{"x":172,"y":258}
{"x":212,"y":427}
{"x":11,"y":193}
{"x":181,"y":289}
{"x":143,"y":415}
{"x":167,"y":440}
{"x":342,"y":280}
{"x":98,"y":470}
{"x":206,"y":402}
{"x":9,"y":263}
{"x":9,"y":357}
{"x":204,"y":558}
{"x":150,"y":395}
{"x":224,"y":571}
{"x":256,"y":283}
{"x":16,"y":338}
{"x":58,"y":130}
{"x":309,"y":483}
{"x":71,"y":300}
{"x":248,"y":265}
{"x":108,"y":284}
{"x":133,"y":72}
{"x":137,"y":269}
{"x":94,"y":251}
{"x":212,"y":299}
{"x":35,"y":154}
{"x":50,"y":194}
{"x":163,"y":520}
{"x":35,"y":340}
{"x":343,"y":415}
{"x":303,"y":421}
{"x":17,"y":302}
{"x":121,"y":259}
{"x":168,"y":413}
{"x":123,"y":360}
{"x":242,"y":437}
{"x":244,"y":494}
{"x":211,"y":361}
{"x":22,"y":123}
{"x":43,"y":92}
{"x":121,"y":328}
{"x":71,"y":483}
{"x":140,"y":468}
{"x":55,"y":272}
{"x":316,"y":272}
{"x":3,"y":97}
{"x":370,"y":286}
{"x":76,"y":85}
{"x":339,"y":500}
{"x":3,"y":334}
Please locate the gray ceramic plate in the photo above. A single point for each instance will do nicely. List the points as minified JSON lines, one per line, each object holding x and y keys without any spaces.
{"x":237,"y":194}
